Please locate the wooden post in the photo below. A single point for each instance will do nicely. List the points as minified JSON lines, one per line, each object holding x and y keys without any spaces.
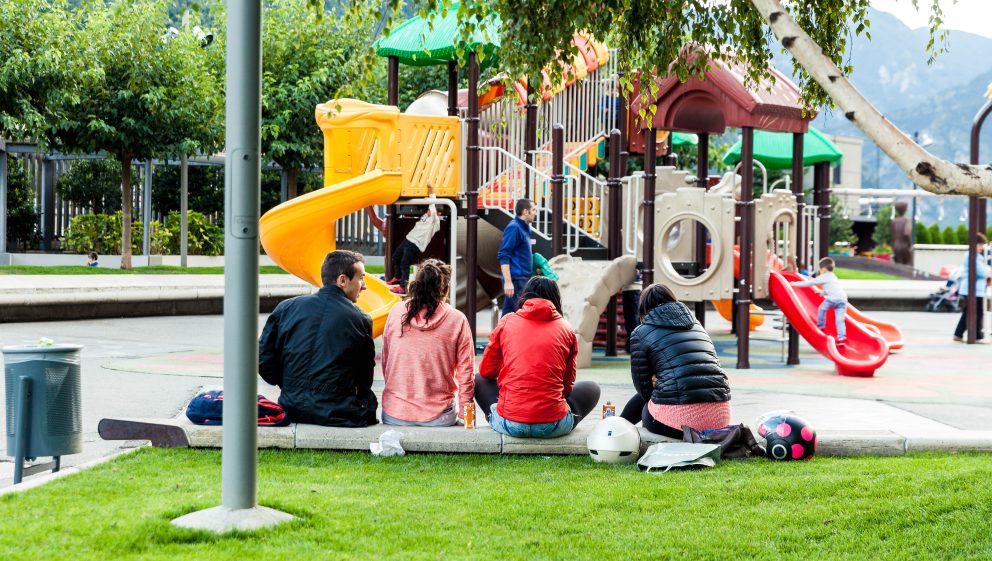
{"x":393,"y":81}
{"x":821,"y":196}
{"x":472,"y":190}
{"x":746,"y":204}
{"x":800,"y":250}
{"x":650,"y":163}
{"x":615,"y":247}
{"x":452,"y":88}
{"x":976,"y":222}
{"x":622,"y":125}
{"x":702,"y":181}
{"x":557,"y":188}
{"x":530,"y":136}
{"x":392,"y":98}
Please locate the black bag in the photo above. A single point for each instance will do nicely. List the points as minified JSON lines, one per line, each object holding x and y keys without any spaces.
{"x":736,"y":441}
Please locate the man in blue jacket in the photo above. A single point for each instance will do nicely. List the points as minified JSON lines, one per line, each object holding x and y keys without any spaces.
{"x":981,"y":273}
{"x":516,"y":259}
{"x":318,"y":349}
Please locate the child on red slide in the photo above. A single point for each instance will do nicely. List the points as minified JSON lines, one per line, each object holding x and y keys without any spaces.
{"x":833,"y":297}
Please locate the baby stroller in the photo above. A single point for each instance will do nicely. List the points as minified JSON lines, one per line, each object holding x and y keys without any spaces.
{"x":946,"y":299}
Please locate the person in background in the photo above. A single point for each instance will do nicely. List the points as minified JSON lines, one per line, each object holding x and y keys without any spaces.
{"x":833,"y":297}
{"x":92,"y":259}
{"x":677,"y":376}
{"x":526,"y":384}
{"x":318,"y":349}
{"x":413,"y":245}
{"x":515,"y":255}
{"x":428,"y":356}
{"x":981,"y":274}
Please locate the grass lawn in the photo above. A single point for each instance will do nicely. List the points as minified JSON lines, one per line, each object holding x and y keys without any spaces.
{"x":154,"y":270}
{"x":852,"y":274}
{"x":354,"y":506}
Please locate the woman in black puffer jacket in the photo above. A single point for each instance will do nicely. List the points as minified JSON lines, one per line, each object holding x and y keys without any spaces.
{"x":675,"y":369}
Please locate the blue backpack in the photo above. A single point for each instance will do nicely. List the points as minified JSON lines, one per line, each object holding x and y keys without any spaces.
{"x":207,"y":408}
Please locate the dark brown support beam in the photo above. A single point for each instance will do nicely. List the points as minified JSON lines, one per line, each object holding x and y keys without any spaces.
{"x":530,"y":135}
{"x":702,"y":181}
{"x":393,"y":81}
{"x":557,"y":189}
{"x":743,"y":301}
{"x":614,"y":249}
{"x":472,"y":191}
{"x":622,"y":125}
{"x":650,"y":179}
{"x":452,"y":88}
{"x":821,"y":197}
{"x":800,"y":250}
{"x":976,"y":222}
{"x":392,"y":98}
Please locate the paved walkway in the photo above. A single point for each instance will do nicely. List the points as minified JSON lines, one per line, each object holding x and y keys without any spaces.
{"x":933,"y":393}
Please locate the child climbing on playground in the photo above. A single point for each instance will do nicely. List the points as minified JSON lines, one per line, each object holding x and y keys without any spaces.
{"x":833,"y":297}
{"x":415,"y":243}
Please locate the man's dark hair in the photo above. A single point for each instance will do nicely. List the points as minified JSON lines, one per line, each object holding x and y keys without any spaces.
{"x":654,"y":296}
{"x":339,"y":262}
{"x":522,"y":205}
{"x":541,"y":287}
{"x":92,"y":255}
{"x":827,"y":263}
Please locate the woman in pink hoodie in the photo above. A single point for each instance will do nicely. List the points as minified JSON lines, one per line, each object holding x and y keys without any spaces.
{"x":428,"y":356}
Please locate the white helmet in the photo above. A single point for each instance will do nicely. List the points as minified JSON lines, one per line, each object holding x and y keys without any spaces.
{"x":614,"y":441}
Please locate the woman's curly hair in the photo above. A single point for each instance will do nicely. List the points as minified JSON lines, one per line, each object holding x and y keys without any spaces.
{"x":428,"y":290}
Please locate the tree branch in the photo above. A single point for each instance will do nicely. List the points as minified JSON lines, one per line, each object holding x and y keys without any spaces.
{"x":923,"y":168}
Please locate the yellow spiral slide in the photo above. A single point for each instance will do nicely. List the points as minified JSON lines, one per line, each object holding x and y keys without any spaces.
{"x":373,"y":155}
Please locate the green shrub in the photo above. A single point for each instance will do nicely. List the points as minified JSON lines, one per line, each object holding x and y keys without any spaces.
{"x":883,"y":226}
{"x":988,"y":233}
{"x":949,"y":236}
{"x":841,"y":227}
{"x":962,"y":234}
{"x":93,"y":184}
{"x":922,"y":234}
{"x":204,"y":238}
{"x":936,"y":237}
{"x":102,"y":233}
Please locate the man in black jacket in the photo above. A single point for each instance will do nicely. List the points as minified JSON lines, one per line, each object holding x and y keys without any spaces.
{"x":318,"y":349}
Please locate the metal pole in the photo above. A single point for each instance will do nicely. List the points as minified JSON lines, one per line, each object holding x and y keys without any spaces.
{"x":146,"y":214}
{"x":746,"y":204}
{"x":800,"y":247}
{"x":650,"y":163}
{"x":3,"y":197}
{"x":183,"y":209}
{"x":242,"y":176}
{"x":622,"y":125}
{"x":557,"y":187}
{"x":472,"y":190}
{"x":976,"y":212}
{"x":452,"y":90}
{"x":47,"y":203}
{"x":283,"y":185}
{"x":702,"y":181}
{"x":22,"y":428}
{"x":530,"y":135}
{"x":615,"y":247}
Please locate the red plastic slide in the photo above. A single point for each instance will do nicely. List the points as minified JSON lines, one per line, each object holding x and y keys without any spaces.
{"x":866,"y":350}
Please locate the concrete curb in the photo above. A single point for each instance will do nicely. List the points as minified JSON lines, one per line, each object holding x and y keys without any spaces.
{"x":39,"y":480}
{"x":482,"y":440}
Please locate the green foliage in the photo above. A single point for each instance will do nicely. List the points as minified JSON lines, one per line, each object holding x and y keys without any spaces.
{"x":93,"y":184}
{"x":203,"y":238}
{"x":922,"y":234}
{"x":22,"y":220}
{"x":936,"y":236}
{"x":883,"y":227}
{"x":36,"y":67}
{"x":949,"y":236}
{"x":988,"y":233}
{"x":206,"y":188}
{"x":841,"y":227}
{"x":102,"y":233}
{"x":961,"y":234}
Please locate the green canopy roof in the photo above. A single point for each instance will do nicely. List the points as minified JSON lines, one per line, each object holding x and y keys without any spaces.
{"x":774,"y":149}
{"x":684,"y":139}
{"x":425,"y":41}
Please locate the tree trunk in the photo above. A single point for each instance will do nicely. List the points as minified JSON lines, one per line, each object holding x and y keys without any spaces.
{"x":929,"y":172}
{"x":292,"y":177}
{"x":126,"y":197}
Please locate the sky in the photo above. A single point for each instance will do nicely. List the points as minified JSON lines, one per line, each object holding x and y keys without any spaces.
{"x":973,"y":16}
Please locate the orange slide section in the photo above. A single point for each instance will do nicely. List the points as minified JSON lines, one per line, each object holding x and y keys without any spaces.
{"x":866,"y":350}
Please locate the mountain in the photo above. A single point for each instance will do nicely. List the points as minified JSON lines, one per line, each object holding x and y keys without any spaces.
{"x":938,"y":101}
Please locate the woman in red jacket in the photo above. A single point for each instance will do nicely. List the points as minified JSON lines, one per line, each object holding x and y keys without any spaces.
{"x":526,"y":383}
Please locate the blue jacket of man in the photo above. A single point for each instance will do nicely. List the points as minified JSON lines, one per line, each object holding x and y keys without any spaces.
{"x":515,"y":250}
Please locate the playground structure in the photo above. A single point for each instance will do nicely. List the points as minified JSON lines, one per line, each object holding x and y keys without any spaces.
{"x":684,"y":234}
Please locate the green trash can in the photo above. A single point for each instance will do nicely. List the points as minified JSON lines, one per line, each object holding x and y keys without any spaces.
{"x":44,"y":401}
